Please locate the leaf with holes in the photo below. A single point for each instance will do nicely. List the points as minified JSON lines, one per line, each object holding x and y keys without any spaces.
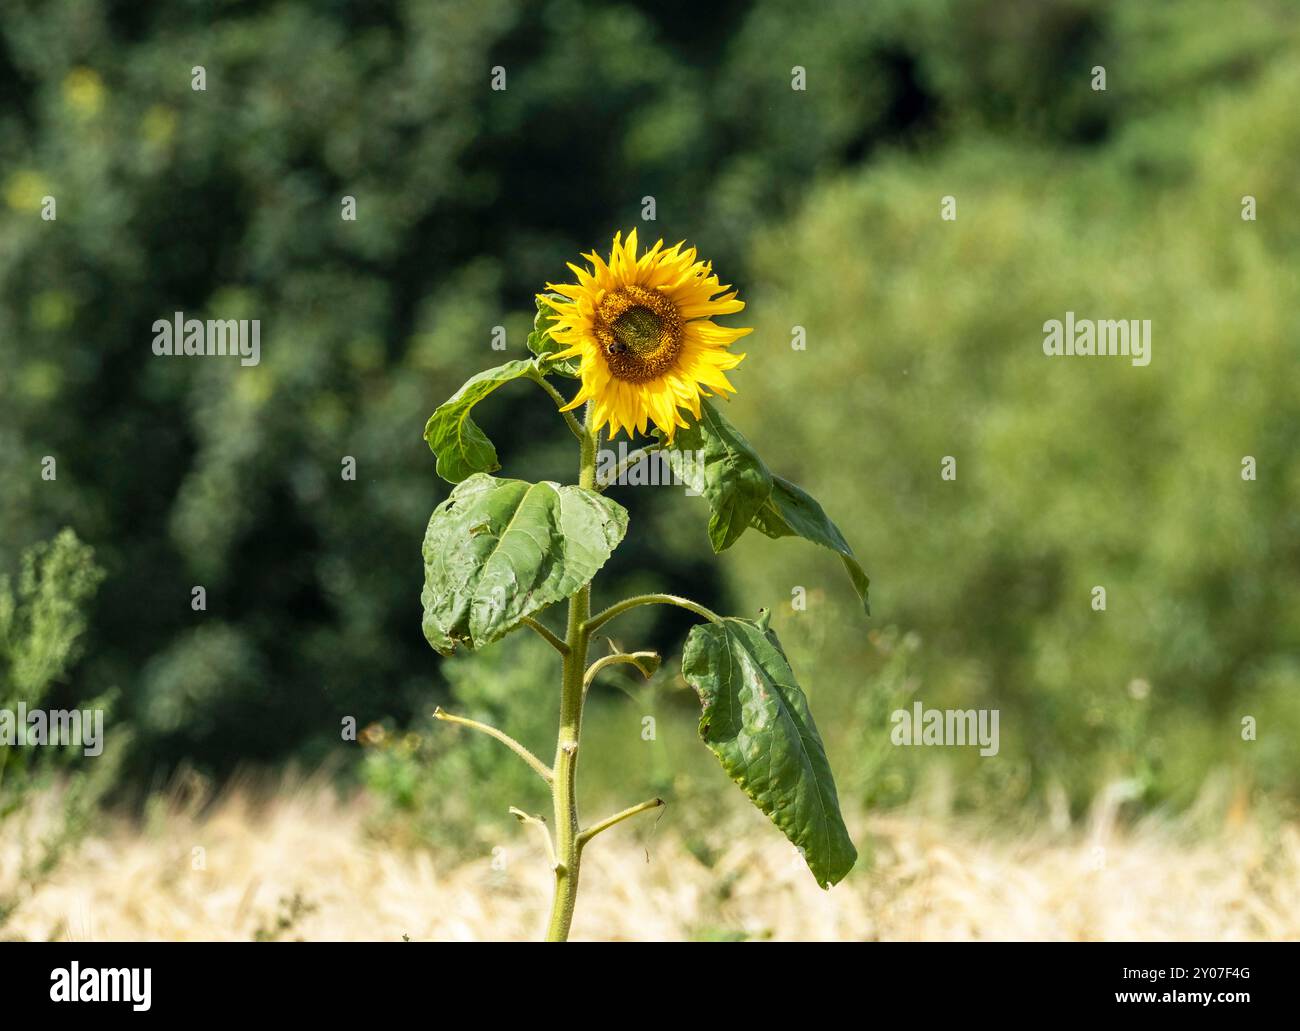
{"x":499,"y":550}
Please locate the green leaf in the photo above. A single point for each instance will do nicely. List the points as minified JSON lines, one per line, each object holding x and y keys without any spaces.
{"x":742,"y":492}
{"x":542,"y":344}
{"x":462,"y":448}
{"x":499,"y":550}
{"x":757,"y":722}
{"x":790,"y":511}
{"x":726,"y":471}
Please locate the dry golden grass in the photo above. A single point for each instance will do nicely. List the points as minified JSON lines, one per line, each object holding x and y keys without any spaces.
{"x":931,"y":879}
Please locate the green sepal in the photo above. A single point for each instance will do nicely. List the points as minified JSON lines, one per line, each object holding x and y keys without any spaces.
{"x":542,"y":344}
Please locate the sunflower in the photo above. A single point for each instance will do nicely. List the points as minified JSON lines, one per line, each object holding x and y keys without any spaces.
{"x":643,"y":331}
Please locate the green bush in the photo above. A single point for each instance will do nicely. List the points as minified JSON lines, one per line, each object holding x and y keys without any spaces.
{"x":42,"y":619}
{"x":925,"y":340}
{"x":440,"y":783}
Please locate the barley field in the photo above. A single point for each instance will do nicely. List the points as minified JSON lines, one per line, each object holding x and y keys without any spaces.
{"x":299,"y":864}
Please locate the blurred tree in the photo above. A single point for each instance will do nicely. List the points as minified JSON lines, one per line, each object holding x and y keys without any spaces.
{"x":821,"y":205}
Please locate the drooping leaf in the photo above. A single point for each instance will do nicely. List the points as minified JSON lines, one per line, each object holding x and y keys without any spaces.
{"x":542,"y":344}
{"x":499,"y":550}
{"x":742,"y":492}
{"x":757,"y":722}
{"x":790,"y":511}
{"x":462,"y":448}
{"x":723,"y":468}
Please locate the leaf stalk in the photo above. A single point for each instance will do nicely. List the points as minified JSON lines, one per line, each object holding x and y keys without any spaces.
{"x":607,"y":823}
{"x":540,"y":767}
{"x":618,"y":608}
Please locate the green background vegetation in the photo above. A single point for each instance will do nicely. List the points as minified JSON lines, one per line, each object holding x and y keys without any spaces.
{"x":822,"y":207}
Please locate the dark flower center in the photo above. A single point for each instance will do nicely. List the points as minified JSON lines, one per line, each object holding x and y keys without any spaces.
{"x":639,"y":332}
{"x":639,"y":328}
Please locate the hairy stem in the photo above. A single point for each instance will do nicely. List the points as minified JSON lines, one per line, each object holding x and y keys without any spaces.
{"x":540,"y":824}
{"x":600,"y":619}
{"x":609,"y":822}
{"x":637,"y":659}
{"x":575,"y":427}
{"x":546,"y":635}
{"x":542,"y":770}
{"x":564,"y":787}
{"x":640,"y":454}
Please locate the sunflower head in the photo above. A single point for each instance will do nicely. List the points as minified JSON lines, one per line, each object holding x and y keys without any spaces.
{"x":643,"y":331}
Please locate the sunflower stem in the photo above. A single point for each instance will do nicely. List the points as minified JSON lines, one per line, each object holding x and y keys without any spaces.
{"x":540,"y":824}
{"x":576,"y":428}
{"x":608,"y":822}
{"x":629,"y":658}
{"x":545,"y":633}
{"x":601,"y":618}
{"x":639,"y":455}
{"x":568,"y":848}
{"x":542,"y":770}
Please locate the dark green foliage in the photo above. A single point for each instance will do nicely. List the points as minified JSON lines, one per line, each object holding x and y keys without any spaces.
{"x":820,"y":206}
